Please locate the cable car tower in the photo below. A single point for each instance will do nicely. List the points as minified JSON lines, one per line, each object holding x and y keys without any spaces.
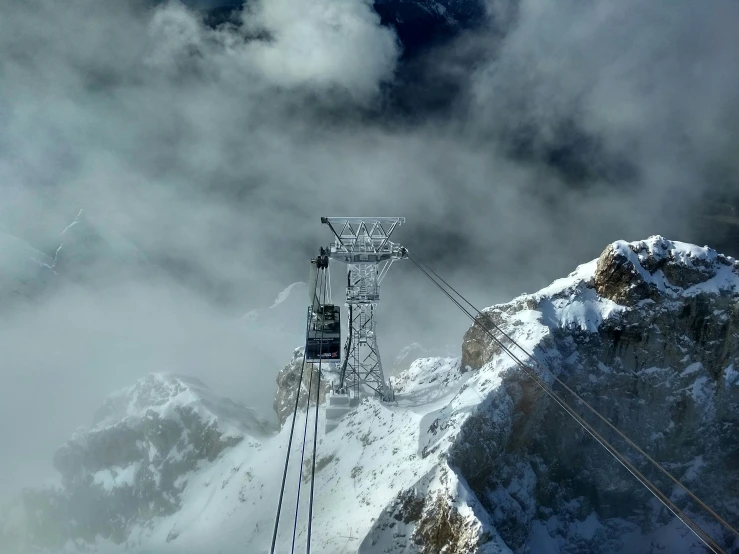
{"x":363,"y":244}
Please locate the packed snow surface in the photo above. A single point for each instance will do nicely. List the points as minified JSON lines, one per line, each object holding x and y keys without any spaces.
{"x":229,"y":505}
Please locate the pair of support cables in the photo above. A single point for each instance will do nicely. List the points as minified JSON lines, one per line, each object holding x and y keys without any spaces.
{"x":323,"y":295}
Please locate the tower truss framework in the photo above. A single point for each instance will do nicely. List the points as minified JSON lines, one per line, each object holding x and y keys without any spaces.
{"x":363,"y":244}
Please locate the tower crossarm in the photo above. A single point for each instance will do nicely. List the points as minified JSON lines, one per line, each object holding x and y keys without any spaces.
{"x":364,"y":239}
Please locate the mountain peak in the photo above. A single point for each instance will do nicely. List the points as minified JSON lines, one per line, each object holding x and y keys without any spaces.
{"x":146,"y":442}
{"x":631,"y":272}
{"x":165,"y":394}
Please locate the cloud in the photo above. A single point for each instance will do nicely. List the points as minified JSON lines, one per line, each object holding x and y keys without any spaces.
{"x":136,"y":114}
{"x":323,"y":47}
{"x":216,"y":151}
{"x":652,"y":83}
{"x":324,"y":43}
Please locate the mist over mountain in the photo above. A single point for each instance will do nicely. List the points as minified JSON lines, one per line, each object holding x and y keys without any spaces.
{"x":204,"y":140}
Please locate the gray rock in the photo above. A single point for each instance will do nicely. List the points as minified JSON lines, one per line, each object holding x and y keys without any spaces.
{"x":287,"y":387}
{"x":663,"y":370}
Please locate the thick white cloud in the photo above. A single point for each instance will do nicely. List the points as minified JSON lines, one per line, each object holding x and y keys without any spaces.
{"x":652,"y":81}
{"x":323,"y":43}
{"x":325,"y":47}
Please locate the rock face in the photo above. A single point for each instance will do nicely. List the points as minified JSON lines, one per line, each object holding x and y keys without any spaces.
{"x":132,"y":465}
{"x":287,"y":386}
{"x":647,"y":335}
{"x":426,"y":520}
{"x":650,"y":270}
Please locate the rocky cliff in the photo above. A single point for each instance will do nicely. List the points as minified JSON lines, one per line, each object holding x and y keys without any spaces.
{"x":288,"y":390}
{"x":647,"y":334}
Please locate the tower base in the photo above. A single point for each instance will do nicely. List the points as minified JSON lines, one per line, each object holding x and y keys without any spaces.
{"x":337,"y":407}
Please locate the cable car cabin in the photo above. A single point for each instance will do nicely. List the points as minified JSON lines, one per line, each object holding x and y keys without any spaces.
{"x":323,"y":342}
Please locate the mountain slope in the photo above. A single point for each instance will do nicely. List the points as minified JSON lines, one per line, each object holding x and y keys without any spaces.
{"x":472,"y":457}
{"x":132,"y":465}
{"x":86,"y":252}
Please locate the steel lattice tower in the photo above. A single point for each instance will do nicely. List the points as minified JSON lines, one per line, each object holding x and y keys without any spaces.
{"x":363,"y":244}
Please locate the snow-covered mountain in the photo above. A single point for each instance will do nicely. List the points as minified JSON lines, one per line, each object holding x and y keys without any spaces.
{"x":471,"y":457}
{"x":134,"y":463}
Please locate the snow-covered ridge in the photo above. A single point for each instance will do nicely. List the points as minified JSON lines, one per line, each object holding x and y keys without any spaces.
{"x":135,"y":462}
{"x":627,"y":273}
{"x":161,"y":422}
{"x":165,"y":394}
{"x":15,"y":254}
{"x":86,"y":252}
{"x":676,"y":268}
{"x":285,"y":294}
{"x":656,"y":261}
{"x":645,"y":333}
{"x":289,"y":302}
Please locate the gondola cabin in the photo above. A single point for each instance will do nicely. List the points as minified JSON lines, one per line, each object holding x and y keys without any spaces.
{"x":323,"y":342}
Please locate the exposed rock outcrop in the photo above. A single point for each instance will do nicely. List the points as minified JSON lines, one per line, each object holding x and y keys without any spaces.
{"x":629,"y":273}
{"x":287,"y":386}
{"x":436,"y":516}
{"x":647,"y":335}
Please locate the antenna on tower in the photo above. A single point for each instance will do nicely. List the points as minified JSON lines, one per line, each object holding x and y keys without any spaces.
{"x":363,"y":244}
